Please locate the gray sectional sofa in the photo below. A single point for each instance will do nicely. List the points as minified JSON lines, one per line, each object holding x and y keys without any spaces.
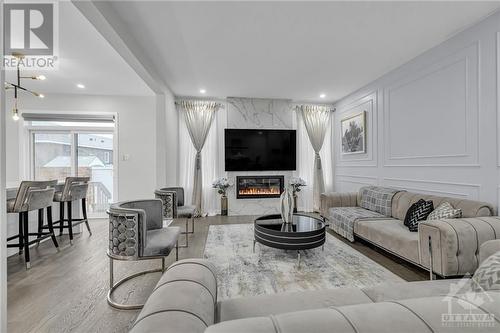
{"x":455,"y":242}
{"x":185,"y":300}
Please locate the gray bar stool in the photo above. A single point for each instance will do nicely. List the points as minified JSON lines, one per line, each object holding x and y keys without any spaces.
{"x":75,"y":188}
{"x":32,"y":195}
{"x":173,"y":207}
{"x":136,"y":233}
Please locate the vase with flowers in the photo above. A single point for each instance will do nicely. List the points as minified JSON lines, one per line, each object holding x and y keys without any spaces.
{"x":222,"y":184}
{"x":296,"y":183}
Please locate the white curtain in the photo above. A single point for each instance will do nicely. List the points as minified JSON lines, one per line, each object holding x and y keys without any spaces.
{"x":315,"y":119}
{"x":198,"y":117}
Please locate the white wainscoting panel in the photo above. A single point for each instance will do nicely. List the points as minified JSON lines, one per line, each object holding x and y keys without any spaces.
{"x":498,"y":98}
{"x":352,"y":183}
{"x":438,"y":121}
{"x":439,"y":188}
{"x":431,"y":118}
{"x":498,"y":200}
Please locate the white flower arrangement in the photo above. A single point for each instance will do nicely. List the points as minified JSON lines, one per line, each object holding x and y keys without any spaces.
{"x":222,"y":184}
{"x":296,"y":183}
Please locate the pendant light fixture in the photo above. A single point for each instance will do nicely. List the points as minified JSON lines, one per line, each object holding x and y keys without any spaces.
{"x":18,"y":87}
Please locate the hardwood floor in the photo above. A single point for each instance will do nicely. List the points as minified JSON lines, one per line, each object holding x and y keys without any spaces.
{"x":66,"y":291}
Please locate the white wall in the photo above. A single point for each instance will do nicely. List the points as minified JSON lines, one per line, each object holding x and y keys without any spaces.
{"x":3,"y":226}
{"x":167,"y":140}
{"x":432,"y":124}
{"x":136,"y":136}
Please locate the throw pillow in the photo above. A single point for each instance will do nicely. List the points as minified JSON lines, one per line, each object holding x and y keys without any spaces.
{"x":412,"y":207}
{"x":487,"y":276}
{"x":418,"y":212}
{"x":445,"y":211}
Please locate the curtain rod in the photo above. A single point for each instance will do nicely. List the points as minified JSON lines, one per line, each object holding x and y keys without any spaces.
{"x":297,"y":105}
{"x":222,"y":102}
{"x":219,"y":104}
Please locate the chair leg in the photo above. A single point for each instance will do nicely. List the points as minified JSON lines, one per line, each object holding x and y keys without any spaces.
{"x":21,"y":238}
{"x":26,"y":240}
{"x":51,"y":227}
{"x":70,"y":222}
{"x":40,"y":225}
{"x":84,"y":212}
{"x":177,"y":251}
{"x":111,"y":278}
{"x":192,"y":225}
{"x":61,"y":217}
{"x":113,"y":286}
{"x":187,"y":232}
{"x":431,"y":264}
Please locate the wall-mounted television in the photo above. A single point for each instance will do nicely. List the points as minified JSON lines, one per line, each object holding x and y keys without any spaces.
{"x":260,"y":150}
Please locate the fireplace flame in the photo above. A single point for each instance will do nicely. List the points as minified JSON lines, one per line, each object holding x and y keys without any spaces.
{"x":259,"y":191}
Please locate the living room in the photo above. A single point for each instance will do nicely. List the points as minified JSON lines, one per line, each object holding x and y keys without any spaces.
{"x":243,"y":166}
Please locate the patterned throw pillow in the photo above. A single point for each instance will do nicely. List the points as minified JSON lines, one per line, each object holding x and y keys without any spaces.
{"x":445,"y":211}
{"x":418,"y":212}
{"x":487,"y":276}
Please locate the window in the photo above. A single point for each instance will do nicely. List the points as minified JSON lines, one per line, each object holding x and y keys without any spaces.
{"x":52,"y":155}
{"x":61,"y":149}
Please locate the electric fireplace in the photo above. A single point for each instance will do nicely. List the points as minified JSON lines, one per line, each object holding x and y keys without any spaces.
{"x":259,"y":187}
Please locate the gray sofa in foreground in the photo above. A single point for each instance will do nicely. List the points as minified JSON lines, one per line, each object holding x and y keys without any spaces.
{"x":185,"y":300}
{"x":455,"y":242}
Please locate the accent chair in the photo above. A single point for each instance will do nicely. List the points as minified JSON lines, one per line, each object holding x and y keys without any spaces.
{"x":174,"y":207}
{"x":136,"y":233}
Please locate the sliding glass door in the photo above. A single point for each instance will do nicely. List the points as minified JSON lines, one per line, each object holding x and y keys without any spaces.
{"x":59,"y":153}
{"x":95,"y":159}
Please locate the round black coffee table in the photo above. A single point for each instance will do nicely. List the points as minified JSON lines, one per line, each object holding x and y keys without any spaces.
{"x":305,"y":232}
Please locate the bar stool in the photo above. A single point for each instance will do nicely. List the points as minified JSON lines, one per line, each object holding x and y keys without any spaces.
{"x":173,"y":207}
{"x":32,"y":195}
{"x":75,"y":188}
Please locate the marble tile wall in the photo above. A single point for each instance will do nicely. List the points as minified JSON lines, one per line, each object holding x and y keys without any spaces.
{"x":259,"y":113}
{"x":252,"y":113}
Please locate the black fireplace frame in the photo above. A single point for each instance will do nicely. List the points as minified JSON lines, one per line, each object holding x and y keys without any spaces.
{"x":261,"y":196}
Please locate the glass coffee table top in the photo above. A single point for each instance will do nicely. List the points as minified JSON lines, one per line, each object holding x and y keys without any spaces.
{"x":301,"y":223}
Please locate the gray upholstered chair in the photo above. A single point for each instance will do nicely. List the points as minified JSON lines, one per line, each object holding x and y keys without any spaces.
{"x":32,"y":195}
{"x":75,"y":188}
{"x":174,"y":207}
{"x":136,"y":232}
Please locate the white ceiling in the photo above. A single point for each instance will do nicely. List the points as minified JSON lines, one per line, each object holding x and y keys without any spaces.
{"x":85,"y":57}
{"x":291,"y":50}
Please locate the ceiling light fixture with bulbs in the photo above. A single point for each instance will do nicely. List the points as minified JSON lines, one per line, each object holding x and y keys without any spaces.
{"x":18,"y":87}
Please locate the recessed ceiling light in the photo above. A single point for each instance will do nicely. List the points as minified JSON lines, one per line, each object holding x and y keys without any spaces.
{"x":81,"y":86}
{"x":202,"y":91}
{"x":322,"y":96}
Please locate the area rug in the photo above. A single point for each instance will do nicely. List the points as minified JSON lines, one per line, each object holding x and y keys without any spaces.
{"x":244,"y":273}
